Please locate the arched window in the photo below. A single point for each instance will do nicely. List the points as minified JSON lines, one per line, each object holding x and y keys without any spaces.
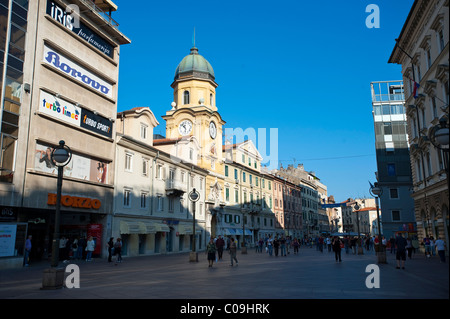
{"x":186,"y":97}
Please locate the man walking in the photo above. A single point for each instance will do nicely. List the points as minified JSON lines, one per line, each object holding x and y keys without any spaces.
{"x":401,"y":244}
{"x":27,"y":251}
{"x":220,"y":243}
{"x":233,"y":251}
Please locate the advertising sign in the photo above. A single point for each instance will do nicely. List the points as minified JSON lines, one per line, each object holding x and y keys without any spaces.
{"x":65,"y":111}
{"x":59,"y":109}
{"x":72,"y":23}
{"x":80,"y":167}
{"x":77,"y":72}
{"x":7,"y":240}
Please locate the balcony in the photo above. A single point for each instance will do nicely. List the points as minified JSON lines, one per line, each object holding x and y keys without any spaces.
{"x":175,"y":188}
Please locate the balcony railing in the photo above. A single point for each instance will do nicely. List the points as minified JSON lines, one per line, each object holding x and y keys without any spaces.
{"x":175,"y":187}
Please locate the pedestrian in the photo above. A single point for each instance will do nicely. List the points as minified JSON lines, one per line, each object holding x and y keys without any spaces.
{"x":440,"y":246}
{"x":90,"y":247}
{"x":353,"y":245}
{"x":62,"y":248}
{"x":288,"y":244}
{"x":211,"y":251}
{"x":260,"y":244}
{"x":220,"y":243}
{"x":426,"y":242}
{"x":401,"y":250}
{"x":28,"y":246}
{"x":276,"y":245}
{"x":346,"y":244}
{"x":329,"y":243}
{"x":409,"y":247}
{"x":282,"y":246}
{"x":432,"y":246}
{"x":392,"y":244}
{"x":118,"y":250}
{"x":233,"y":249}
{"x":269,"y":245}
{"x":321,"y":244}
{"x":74,"y":248}
{"x":81,"y":248}
{"x":296,"y":244}
{"x":110,"y":246}
{"x":337,"y":248}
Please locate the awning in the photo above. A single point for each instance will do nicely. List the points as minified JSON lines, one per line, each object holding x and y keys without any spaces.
{"x":161,"y":227}
{"x":239,"y":231}
{"x":131,"y":227}
{"x":184,"y":229}
{"x":229,"y":231}
{"x":148,"y":228}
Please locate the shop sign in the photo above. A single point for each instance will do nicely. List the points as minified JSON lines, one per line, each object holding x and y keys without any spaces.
{"x":73,"y":114}
{"x":8,"y":213}
{"x":75,"y":71}
{"x":75,"y":202}
{"x":73,"y":23}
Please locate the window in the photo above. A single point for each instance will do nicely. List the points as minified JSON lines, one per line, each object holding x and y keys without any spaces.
{"x":211,"y":99}
{"x":128,"y":162}
{"x":171,"y":204}
{"x":237,"y":219}
{"x":441,"y":40}
{"x":396,"y":215}
{"x":434,"y":108}
{"x":144,"y":131}
{"x":160,"y":171}
{"x":430,"y":171}
{"x":393,"y":193}
{"x":391,"y":169}
{"x":235,"y":173}
{"x":143,"y":200}
{"x":387,"y":128}
{"x":236,"y":196}
{"x":249,"y":161}
{"x":243,"y":158}
{"x":160,"y":203}
{"x":227,"y":194}
{"x":270,"y":188}
{"x":144,"y":167}
{"x":243,"y":177}
{"x":191,"y":154}
{"x":226,"y":170}
{"x":186,"y":97}
{"x":250,"y":179}
{"x":428,"y":58}
{"x":126,"y":197}
{"x":418,"y":170}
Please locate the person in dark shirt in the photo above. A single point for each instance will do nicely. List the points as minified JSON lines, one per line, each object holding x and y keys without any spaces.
{"x":401,"y":244}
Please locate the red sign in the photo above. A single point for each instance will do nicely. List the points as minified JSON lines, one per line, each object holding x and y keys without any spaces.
{"x":95,"y":230}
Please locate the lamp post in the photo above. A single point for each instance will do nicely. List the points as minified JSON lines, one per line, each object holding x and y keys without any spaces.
{"x":439,"y":137}
{"x":53,"y":277}
{"x":193,"y":197}
{"x":376,"y":192}
{"x":360,"y":249}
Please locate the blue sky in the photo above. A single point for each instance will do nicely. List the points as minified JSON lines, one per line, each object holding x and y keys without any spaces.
{"x":303,"y":67}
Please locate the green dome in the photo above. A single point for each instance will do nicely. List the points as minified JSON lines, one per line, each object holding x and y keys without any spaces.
{"x":194,"y":65}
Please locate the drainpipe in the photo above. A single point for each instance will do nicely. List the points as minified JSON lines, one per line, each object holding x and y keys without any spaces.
{"x":153,"y":182}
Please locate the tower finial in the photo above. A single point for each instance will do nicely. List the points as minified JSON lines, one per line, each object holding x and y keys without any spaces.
{"x":193,"y":39}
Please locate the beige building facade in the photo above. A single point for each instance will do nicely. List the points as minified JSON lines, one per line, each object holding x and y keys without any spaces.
{"x":422,"y":50}
{"x":68,"y":92}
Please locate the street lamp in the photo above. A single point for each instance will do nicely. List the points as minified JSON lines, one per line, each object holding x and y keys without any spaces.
{"x":193,"y":197}
{"x":54,"y":277}
{"x":61,"y":156}
{"x":438,"y":136}
{"x":360,"y":249}
{"x":376,"y":192}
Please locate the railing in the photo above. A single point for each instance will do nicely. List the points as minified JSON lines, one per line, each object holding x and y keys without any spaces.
{"x":388,"y":97}
{"x":91,"y":4}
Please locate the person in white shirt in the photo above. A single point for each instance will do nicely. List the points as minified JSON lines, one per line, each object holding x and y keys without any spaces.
{"x":440,"y":246}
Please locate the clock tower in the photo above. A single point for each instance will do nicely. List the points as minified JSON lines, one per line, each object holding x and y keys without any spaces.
{"x":194,"y":116}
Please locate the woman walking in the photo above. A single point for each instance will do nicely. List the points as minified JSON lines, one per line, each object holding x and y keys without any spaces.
{"x":90,"y":247}
{"x":337,"y":248}
{"x":110,"y":247}
{"x":118,"y":251}
{"x":211,"y":250}
{"x":233,"y":251}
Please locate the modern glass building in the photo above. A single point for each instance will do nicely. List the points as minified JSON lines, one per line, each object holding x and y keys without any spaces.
{"x":393,"y":163}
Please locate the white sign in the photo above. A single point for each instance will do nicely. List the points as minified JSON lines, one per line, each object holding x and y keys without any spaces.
{"x":73,"y":70}
{"x":60,"y":109}
{"x":7,"y":240}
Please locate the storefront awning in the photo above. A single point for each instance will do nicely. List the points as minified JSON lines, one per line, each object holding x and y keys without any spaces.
{"x":159,"y":227}
{"x":130,"y":227}
{"x":239,"y":231}
{"x":187,"y":229}
{"x":229,"y":231}
{"x":148,"y":228}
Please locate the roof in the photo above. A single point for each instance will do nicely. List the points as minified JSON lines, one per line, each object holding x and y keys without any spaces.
{"x":193,"y":64}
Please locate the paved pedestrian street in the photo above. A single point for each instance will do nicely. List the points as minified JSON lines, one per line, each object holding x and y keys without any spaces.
{"x":258,"y":276}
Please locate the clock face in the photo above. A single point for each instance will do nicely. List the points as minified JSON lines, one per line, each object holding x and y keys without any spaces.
{"x":185,"y":127}
{"x":212,"y":130}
